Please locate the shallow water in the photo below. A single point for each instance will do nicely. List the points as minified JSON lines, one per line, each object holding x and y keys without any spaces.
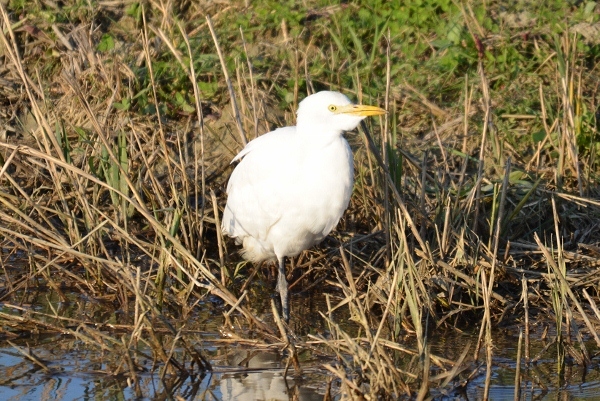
{"x":238,"y":374}
{"x":246,"y":374}
{"x":540,"y":380}
{"x":78,"y":371}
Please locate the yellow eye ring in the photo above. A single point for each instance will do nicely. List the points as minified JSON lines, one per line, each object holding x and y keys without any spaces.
{"x":332,"y":108}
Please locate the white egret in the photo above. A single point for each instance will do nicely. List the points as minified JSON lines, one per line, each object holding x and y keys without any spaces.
{"x":293,"y":184}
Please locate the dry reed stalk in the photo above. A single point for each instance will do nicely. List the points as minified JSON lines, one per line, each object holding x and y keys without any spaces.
{"x":561,"y":278}
{"x":220,"y":243}
{"x":486,"y":326}
{"x":484,"y":134}
{"x":30,"y":356}
{"x":232,"y":96}
{"x":193,"y":81}
{"x":517,"y":395}
{"x":422,"y":192}
{"x":53,"y":146}
{"x":133,"y":377}
{"x":525,"y":298}
{"x":485,"y":332}
{"x":394,"y":284}
{"x":566,"y":51}
{"x":215,"y":286}
{"x":387,"y":145}
{"x":582,"y":356}
{"x":457,"y":367}
{"x":253,"y":89}
{"x":40,"y":323}
{"x":470,"y":281}
{"x":592,"y":304}
{"x":161,"y":132}
{"x":424,"y":388}
{"x":389,"y":181}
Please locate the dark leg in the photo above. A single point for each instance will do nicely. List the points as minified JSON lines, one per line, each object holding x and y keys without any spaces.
{"x":282,"y":287}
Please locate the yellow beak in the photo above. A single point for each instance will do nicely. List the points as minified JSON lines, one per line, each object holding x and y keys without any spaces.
{"x":360,"y":110}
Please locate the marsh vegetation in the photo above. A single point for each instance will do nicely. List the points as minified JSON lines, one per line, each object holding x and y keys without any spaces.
{"x":470,"y":252}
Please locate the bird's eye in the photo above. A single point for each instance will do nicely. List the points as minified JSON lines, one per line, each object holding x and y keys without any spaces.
{"x":332,"y":108}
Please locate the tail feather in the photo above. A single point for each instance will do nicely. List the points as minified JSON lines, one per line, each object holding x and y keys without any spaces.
{"x":254,"y":250}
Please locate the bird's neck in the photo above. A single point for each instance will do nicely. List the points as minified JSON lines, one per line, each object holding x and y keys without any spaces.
{"x":318,"y":132}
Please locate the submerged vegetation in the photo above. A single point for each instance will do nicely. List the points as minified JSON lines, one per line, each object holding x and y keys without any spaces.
{"x":475,"y":204}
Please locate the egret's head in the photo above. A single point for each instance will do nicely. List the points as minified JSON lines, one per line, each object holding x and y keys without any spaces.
{"x":334,"y":111}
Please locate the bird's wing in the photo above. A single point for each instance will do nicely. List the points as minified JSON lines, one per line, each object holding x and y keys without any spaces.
{"x":257,"y":187}
{"x":266,"y":141}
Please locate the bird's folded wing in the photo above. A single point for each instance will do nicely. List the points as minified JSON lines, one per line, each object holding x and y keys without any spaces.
{"x":258,"y":189}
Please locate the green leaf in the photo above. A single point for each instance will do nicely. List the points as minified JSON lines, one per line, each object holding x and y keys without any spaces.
{"x":441,"y":44}
{"x":538,"y":136}
{"x":516,"y":176}
{"x":455,"y":29}
{"x":589,"y":7}
{"x":92,"y":165}
{"x":125,"y":104}
{"x":83,"y":136}
{"x":134,"y":10}
{"x":208,"y":89}
{"x":123,"y":161}
{"x":63,"y":141}
{"x":106,"y":44}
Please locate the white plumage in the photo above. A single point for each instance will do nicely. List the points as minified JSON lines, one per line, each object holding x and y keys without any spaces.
{"x":293,"y":184}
